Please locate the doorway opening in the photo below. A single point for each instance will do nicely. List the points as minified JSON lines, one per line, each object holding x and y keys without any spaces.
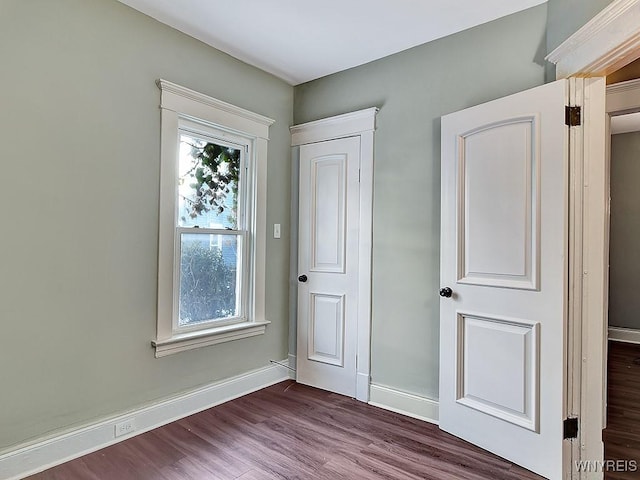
{"x":621,"y":438}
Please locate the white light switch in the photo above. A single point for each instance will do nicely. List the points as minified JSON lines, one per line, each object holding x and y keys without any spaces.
{"x":276,"y":230}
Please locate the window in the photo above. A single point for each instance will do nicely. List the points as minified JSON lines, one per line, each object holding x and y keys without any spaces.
{"x":211,"y":249}
{"x":212,"y":227}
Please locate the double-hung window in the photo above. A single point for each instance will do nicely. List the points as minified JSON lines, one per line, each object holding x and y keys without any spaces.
{"x":212,"y":234}
{"x":211,"y":249}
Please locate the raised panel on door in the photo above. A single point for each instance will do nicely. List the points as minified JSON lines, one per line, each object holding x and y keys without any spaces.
{"x":491,"y":348}
{"x":498,"y":187}
{"x":328,"y":259}
{"x":328,"y":213}
{"x":326,"y":329}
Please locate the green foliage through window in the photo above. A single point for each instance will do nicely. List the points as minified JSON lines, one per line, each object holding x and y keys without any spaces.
{"x":207,"y":284}
{"x":214,"y":177}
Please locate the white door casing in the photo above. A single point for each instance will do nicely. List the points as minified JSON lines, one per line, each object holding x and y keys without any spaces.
{"x":504,"y":254}
{"x":328,"y":265}
{"x":606,"y":43}
{"x":332,"y":141}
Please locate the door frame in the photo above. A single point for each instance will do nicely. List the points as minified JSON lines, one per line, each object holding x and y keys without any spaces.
{"x":605,"y":44}
{"x":361,"y":124}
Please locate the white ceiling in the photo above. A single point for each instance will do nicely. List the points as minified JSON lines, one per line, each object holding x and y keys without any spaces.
{"x":301,"y":40}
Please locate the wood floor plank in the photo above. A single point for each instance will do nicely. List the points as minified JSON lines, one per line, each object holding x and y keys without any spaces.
{"x":441,"y":465}
{"x":257,"y":474}
{"x":116,"y":462}
{"x":190,"y":469}
{"x":75,"y":469}
{"x":362,"y":468}
{"x":622,"y":435}
{"x":215,"y":460}
{"x":290,"y":431}
{"x":237,"y":438}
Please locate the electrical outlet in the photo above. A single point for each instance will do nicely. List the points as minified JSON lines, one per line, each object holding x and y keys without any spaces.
{"x":125,"y":427}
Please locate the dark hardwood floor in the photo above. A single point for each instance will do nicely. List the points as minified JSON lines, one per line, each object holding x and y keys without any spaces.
{"x":622,"y":435}
{"x":290,"y":431}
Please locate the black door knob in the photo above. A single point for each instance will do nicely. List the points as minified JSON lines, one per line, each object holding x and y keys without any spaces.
{"x":446,"y":292}
{"x":302,"y":278}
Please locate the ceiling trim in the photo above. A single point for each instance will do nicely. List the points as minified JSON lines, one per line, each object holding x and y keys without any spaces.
{"x":605,"y":44}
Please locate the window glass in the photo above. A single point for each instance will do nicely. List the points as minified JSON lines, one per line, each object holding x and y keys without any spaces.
{"x":209,"y":280}
{"x":208,"y":180}
{"x":210,"y":229}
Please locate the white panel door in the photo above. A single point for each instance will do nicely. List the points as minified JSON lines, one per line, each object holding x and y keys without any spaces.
{"x":328,"y":265}
{"x":504,"y":258}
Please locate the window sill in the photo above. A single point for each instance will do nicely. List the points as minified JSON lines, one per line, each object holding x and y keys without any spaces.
{"x":211,"y":336}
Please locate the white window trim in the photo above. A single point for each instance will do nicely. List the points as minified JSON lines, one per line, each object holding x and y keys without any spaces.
{"x":179,"y":102}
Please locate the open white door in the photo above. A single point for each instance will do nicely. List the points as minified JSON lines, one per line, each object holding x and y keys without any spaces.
{"x":328,"y":265}
{"x":504,"y":246}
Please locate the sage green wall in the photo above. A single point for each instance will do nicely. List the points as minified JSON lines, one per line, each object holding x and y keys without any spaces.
{"x":413,"y":89}
{"x":79,"y":162}
{"x":624,"y":253}
{"x":565,"y":17}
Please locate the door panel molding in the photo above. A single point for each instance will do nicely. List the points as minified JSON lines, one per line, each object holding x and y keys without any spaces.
{"x":505,"y":347}
{"x":328,"y":214}
{"x":326,"y":329}
{"x":498,"y":162}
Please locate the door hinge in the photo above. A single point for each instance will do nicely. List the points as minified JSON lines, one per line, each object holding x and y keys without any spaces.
{"x":570,"y":428}
{"x":572,"y":116}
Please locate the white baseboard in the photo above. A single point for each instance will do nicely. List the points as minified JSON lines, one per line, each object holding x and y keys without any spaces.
{"x":292,"y":364}
{"x":35,"y":457}
{"x":414,"y":406}
{"x":362,"y":380}
{"x":627,"y":335}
